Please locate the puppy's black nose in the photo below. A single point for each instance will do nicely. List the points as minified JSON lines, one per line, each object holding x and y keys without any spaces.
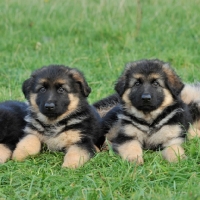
{"x":49,"y":106}
{"x":146,"y":97}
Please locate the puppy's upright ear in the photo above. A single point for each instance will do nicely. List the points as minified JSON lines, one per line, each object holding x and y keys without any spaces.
{"x":79,"y":78}
{"x":26,"y":87}
{"x":173,"y":81}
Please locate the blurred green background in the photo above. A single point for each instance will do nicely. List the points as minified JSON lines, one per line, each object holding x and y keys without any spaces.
{"x":98,"y":37}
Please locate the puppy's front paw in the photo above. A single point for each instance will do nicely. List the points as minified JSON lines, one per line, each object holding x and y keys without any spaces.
{"x":138,"y":159}
{"x":173,"y":153}
{"x":131,"y":151}
{"x":193,"y":131}
{"x":75,"y":157}
{"x":29,"y":145}
{"x":5,"y":153}
{"x":72,"y":163}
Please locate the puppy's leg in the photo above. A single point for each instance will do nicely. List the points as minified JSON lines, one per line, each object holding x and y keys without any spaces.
{"x":193,"y":131}
{"x":29,"y":145}
{"x":173,"y":153}
{"x":78,"y":154}
{"x":5,"y":153}
{"x":131,"y":151}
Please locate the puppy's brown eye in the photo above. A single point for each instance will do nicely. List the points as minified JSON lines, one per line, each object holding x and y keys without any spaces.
{"x":60,"y":90}
{"x":42,"y":90}
{"x":137,"y":83}
{"x":155,"y":83}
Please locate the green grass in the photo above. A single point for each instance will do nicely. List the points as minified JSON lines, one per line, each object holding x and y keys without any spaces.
{"x":98,"y":37}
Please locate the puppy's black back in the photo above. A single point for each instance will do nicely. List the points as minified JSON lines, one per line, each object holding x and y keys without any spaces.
{"x":104,"y":105}
{"x":12,"y":122}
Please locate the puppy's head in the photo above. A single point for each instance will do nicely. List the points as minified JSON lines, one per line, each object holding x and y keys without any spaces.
{"x":148,"y":85}
{"x":55,"y":90}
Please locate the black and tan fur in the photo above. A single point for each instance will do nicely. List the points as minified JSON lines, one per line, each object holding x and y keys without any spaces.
{"x":191,"y":96}
{"x":12,"y":123}
{"x":151,"y":114}
{"x":104,"y":105}
{"x":60,"y":116}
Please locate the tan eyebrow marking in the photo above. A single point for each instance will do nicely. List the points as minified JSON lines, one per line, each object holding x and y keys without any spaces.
{"x":154,"y":76}
{"x":138,"y":76}
{"x":60,"y":81}
{"x":42,"y":81}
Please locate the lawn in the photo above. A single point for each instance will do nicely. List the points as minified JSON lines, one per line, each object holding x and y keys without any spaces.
{"x":98,"y":37}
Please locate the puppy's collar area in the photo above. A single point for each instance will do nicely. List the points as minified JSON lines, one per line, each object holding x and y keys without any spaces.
{"x":167,"y":114}
{"x":153,"y":116}
{"x":128,"y":117}
{"x":48,"y":126}
{"x":155,"y":125}
{"x":74,"y":118}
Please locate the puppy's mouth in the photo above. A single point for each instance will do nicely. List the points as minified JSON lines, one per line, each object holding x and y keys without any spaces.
{"x":51,"y":115}
{"x":146,"y":108}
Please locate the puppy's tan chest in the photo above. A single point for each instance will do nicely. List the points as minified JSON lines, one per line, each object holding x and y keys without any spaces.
{"x":63,"y":140}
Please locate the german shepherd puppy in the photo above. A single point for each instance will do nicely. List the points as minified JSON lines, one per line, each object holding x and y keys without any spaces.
{"x":151,"y":114}
{"x":12,"y":123}
{"x":59,"y":116}
{"x":191,"y":96}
